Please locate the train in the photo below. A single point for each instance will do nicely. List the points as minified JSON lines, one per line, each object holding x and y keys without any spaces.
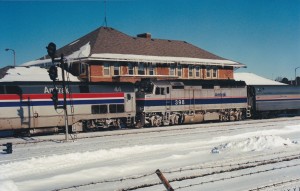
{"x":28,"y":107}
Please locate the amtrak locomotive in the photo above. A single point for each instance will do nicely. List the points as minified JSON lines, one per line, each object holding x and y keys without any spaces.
{"x":28,"y":107}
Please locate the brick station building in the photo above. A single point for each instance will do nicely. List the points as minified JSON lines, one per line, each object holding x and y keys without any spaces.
{"x":106,"y":55}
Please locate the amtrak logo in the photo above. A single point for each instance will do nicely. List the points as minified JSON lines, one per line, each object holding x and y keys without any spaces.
{"x":49,"y":90}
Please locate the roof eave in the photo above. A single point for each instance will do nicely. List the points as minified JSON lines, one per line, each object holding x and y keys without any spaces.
{"x":163,"y":59}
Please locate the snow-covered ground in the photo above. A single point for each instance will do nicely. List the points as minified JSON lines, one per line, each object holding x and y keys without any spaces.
{"x":245,"y":155}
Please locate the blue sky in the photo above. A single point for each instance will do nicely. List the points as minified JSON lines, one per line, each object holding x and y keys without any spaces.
{"x":263,"y":34}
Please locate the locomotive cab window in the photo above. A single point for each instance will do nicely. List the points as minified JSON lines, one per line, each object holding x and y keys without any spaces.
{"x":99,"y":109}
{"x":160,"y":91}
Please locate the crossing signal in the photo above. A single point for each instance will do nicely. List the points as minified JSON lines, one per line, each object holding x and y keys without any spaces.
{"x":8,"y":149}
{"x":51,"y":49}
{"x":53,"y":72}
{"x":54,"y":97}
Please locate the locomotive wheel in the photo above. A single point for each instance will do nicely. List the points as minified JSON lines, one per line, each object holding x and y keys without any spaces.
{"x":157,"y":122}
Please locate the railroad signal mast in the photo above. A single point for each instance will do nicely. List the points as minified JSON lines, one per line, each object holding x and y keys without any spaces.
{"x":51,"y":49}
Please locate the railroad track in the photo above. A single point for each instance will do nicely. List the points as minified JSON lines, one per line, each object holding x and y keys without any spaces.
{"x":179,"y":129}
{"x":182,"y":174}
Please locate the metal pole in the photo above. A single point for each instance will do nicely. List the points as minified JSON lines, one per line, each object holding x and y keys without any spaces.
{"x":296,"y":75}
{"x":164,"y":180}
{"x":65,"y":96}
{"x":14,"y":57}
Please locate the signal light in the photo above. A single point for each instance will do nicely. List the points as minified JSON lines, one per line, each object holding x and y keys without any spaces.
{"x":53,"y":73}
{"x":51,"y":49}
{"x":54,"y":97}
{"x":8,"y":149}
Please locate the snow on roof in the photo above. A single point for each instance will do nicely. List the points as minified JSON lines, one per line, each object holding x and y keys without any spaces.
{"x":83,"y":51}
{"x":253,"y":79}
{"x":33,"y":74}
{"x":163,"y":59}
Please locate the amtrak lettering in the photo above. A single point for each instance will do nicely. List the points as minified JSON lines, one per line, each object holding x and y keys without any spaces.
{"x":60,"y":90}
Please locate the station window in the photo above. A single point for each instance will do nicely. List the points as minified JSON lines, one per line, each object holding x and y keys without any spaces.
{"x":116,"y":108}
{"x":151,"y":70}
{"x":191,"y":68}
{"x":99,"y":109}
{"x":106,"y":70}
{"x":208,"y":72}
{"x":197,"y":71}
{"x":116,"y":69}
{"x":179,"y":70}
{"x":83,"y":68}
{"x":214,"y":72}
{"x":130,"y":69}
{"x":141,"y":69}
{"x":172,"y":70}
{"x":211,"y":72}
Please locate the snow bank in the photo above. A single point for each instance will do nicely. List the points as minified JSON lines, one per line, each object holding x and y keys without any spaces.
{"x":256,"y":143}
{"x":32,"y":74}
{"x":253,"y":79}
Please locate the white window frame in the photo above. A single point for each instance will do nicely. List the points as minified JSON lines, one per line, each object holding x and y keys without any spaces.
{"x":197,"y":72}
{"x":131,"y":69}
{"x":214,"y":72}
{"x":106,"y":69}
{"x":116,"y":69}
{"x":208,"y":72}
{"x":172,"y":70}
{"x":151,"y":70}
{"x":191,"y":71}
{"x":83,"y":68}
{"x":179,"y":70}
{"x":141,"y":66}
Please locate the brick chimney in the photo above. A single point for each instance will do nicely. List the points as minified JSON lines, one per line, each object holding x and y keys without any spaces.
{"x":144,"y":35}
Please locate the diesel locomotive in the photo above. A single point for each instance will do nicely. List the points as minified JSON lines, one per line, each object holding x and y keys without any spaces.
{"x":28,"y":107}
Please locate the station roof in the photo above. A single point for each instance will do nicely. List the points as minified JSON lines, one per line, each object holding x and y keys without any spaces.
{"x":109,"y":44}
{"x":253,"y":79}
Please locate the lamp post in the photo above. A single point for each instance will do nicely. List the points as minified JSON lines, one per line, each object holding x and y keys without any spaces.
{"x":14,"y":53}
{"x":296,"y":75}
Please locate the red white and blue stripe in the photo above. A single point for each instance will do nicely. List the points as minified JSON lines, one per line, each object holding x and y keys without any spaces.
{"x":14,"y":100}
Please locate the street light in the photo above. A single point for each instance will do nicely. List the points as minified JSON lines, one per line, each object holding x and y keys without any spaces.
{"x":296,"y":75}
{"x":14,"y":53}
